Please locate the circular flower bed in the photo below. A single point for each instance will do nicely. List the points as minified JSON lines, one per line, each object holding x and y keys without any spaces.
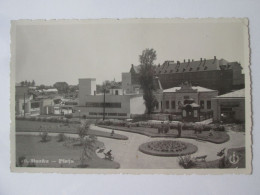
{"x":168,"y":148}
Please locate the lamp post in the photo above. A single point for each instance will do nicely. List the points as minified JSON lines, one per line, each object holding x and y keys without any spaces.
{"x":104,"y":104}
{"x":79,"y":114}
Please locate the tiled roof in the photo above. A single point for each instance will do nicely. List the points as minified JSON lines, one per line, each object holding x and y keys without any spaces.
{"x":169,"y":67}
{"x":235,"y":94}
{"x":198,"y":88}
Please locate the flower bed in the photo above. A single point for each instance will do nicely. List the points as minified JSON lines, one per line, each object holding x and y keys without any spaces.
{"x":157,"y":124}
{"x":168,"y":148}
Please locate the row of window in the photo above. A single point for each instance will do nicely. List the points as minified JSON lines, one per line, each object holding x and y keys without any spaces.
{"x":107,"y":114}
{"x":173,"y":106}
{"x":101,"y":105}
{"x":202,"y":104}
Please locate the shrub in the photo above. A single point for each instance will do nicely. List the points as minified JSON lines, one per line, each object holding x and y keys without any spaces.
{"x":68,"y":116}
{"x":219,"y":128}
{"x":189,"y":126}
{"x":173,"y":125}
{"x":61,"y":137}
{"x":65,"y":120}
{"x":53,"y":119}
{"x":206,"y":127}
{"x":44,"y":136}
{"x":186,"y":161}
{"x":20,"y":162}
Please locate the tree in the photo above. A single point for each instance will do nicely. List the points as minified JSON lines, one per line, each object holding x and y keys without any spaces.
{"x":22,"y":83}
{"x":146,"y":78}
{"x":62,"y":87}
{"x":88,"y":150}
{"x":42,"y":87}
{"x":87,"y":141}
{"x":83,"y":130}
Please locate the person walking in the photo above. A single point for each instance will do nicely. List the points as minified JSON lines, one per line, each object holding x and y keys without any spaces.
{"x":179,"y":128}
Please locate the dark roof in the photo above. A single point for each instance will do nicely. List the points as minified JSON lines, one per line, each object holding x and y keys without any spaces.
{"x":136,"y":69}
{"x":169,"y":67}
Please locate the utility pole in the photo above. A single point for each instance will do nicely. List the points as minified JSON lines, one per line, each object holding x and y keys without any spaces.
{"x":104,"y":104}
{"x":24,"y":104}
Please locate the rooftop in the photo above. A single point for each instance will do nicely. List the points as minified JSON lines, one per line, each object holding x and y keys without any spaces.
{"x":198,"y":88}
{"x":235,"y":94}
{"x":169,"y":67}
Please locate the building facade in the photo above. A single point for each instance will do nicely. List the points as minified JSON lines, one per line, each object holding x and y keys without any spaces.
{"x":229,"y":107}
{"x":108,"y":105}
{"x":174,"y":100}
{"x":216,"y":74}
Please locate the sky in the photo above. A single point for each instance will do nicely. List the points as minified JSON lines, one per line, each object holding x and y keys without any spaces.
{"x":54,"y":51}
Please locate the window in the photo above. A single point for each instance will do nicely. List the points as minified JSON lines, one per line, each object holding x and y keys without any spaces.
{"x":157,"y":106}
{"x":122,"y":114}
{"x":167,"y":104}
{"x":202,"y":104}
{"x":35,"y":104}
{"x":112,"y":114}
{"x":209,"y":104}
{"x":116,"y":92}
{"x":186,"y":97}
{"x":101,"y":105}
{"x":173,"y":104}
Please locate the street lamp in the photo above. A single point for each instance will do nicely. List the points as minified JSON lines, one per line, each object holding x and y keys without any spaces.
{"x":104,"y":104}
{"x":79,"y":113}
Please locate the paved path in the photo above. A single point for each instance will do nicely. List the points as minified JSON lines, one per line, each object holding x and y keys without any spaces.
{"x":127,"y":154}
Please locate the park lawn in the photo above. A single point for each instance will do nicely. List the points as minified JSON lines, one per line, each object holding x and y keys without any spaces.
{"x":58,"y":155}
{"x":53,"y":127}
{"x":218,"y":137}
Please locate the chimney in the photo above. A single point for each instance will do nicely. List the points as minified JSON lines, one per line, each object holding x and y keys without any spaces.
{"x":188,"y":62}
{"x":184,"y":60}
{"x":178,"y":62}
{"x":204,"y":62}
{"x":215,"y":58}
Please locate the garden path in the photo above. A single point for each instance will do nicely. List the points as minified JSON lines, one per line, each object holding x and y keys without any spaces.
{"x":127,"y":154}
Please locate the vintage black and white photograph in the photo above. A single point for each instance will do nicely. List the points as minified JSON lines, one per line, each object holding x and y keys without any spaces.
{"x":131,"y":96}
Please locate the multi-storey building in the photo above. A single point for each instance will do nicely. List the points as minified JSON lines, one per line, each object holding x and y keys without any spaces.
{"x":213,"y":73}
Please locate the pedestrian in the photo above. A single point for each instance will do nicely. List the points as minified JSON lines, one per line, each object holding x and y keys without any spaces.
{"x":112,"y":133}
{"x":179,"y":128}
